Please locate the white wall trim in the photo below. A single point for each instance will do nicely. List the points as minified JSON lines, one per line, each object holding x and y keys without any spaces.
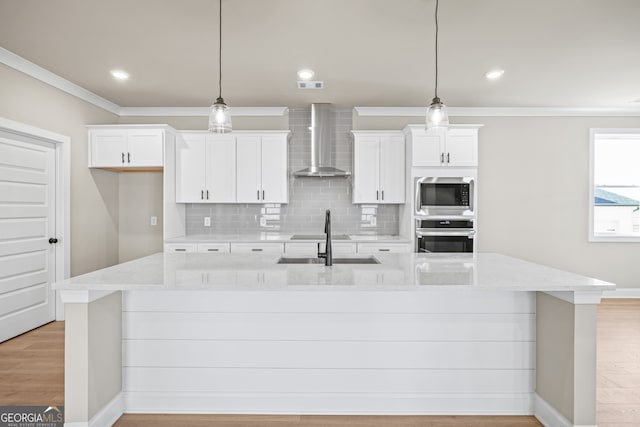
{"x":29,"y":68}
{"x":550,"y":417}
{"x":107,"y":416}
{"x":622,"y":293}
{"x":577,"y":298}
{"x":501,"y":112}
{"x":328,"y":403}
{"x":200,"y":111}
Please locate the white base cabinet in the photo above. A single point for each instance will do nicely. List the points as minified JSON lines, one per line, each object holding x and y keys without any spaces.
{"x":125,"y":147}
{"x":378,"y":167}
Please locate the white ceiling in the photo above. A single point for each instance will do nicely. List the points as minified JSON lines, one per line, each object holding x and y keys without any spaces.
{"x":556,"y":53}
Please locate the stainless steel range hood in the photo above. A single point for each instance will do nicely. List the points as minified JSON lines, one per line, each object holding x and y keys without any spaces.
{"x":321,"y":161}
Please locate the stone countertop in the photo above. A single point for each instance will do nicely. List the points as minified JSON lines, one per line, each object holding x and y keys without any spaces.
{"x":396,"y":272}
{"x":277,"y":237}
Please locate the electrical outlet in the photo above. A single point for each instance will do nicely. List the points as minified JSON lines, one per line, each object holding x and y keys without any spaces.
{"x":207,"y":221}
{"x":154,"y":220}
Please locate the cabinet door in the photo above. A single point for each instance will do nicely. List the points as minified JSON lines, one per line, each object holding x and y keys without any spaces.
{"x":392,"y":174}
{"x":274,"y":170}
{"x":190,"y":168}
{"x":366,"y":167}
{"x":144,"y":147}
{"x":462,"y":147}
{"x":428,"y":149}
{"x":108,"y":148}
{"x":220,"y":169}
{"x":248,"y":164}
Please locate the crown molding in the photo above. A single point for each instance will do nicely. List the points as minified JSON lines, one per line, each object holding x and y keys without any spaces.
{"x":200,"y":111}
{"x":17,"y":62}
{"x":501,"y":112}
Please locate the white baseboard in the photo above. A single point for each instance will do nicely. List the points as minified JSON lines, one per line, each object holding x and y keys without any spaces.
{"x":550,"y":417}
{"x":329,"y":403}
{"x":106,"y":417}
{"x":622,"y":293}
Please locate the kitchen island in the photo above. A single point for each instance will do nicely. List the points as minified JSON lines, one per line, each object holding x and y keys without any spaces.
{"x":414,"y":334}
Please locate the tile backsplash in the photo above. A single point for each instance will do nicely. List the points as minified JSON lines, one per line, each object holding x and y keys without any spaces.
{"x":308,"y":197}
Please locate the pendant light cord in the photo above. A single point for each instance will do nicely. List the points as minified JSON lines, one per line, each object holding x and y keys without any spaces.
{"x":436,"y":92}
{"x":220,"y":51}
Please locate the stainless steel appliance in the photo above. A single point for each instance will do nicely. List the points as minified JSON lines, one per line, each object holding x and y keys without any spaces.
{"x":444,"y":235}
{"x":444,"y":196}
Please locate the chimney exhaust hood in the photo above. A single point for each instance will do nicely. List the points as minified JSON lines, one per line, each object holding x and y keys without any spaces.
{"x":321,"y":163}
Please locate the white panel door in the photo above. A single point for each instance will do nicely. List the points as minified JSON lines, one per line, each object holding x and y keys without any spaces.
{"x":144,"y":147}
{"x":248,"y":169}
{"x":27,"y":221}
{"x":428,"y":150}
{"x":366,"y":159}
{"x":221,"y":169}
{"x":274,"y":169}
{"x":462,"y":147}
{"x":392,"y":169}
{"x":190,"y":168}
{"x":108,"y":148}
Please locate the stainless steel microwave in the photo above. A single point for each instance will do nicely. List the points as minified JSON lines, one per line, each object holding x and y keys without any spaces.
{"x":444,"y":196}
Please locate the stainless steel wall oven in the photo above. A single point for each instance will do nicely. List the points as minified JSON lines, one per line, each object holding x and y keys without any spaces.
{"x":444,"y":235}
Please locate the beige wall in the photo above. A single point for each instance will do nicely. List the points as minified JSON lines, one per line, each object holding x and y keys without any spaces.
{"x":140,"y":199}
{"x":533,"y":178}
{"x":94,"y":194}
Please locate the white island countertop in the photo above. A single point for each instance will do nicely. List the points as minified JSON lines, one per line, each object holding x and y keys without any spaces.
{"x":396,"y":271}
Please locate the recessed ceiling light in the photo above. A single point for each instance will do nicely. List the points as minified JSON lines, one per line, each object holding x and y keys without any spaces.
{"x":494,"y":74}
{"x":305,"y":74}
{"x":120,"y":75}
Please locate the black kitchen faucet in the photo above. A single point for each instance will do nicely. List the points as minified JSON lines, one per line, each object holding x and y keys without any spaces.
{"x":327,"y":254}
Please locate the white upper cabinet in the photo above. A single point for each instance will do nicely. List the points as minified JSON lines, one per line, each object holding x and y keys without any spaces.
{"x":453,"y":147}
{"x":123,"y":147}
{"x":205,"y":168}
{"x":262,"y":168}
{"x":378,"y":167}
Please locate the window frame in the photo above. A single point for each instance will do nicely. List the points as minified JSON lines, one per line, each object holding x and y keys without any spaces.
{"x":593,"y":132}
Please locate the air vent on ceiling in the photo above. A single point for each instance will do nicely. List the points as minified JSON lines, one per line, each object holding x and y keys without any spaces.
{"x":310,"y":85}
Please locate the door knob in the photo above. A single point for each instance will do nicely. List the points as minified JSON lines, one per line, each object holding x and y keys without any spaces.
{"x":53,"y":240}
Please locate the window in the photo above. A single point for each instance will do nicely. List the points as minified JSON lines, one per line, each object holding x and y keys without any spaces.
{"x":614,"y":188}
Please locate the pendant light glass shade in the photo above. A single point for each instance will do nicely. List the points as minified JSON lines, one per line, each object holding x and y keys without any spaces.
{"x":437,"y":116}
{"x":219,"y":117}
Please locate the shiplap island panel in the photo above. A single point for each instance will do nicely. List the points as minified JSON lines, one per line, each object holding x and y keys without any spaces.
{"x":414,"y":334}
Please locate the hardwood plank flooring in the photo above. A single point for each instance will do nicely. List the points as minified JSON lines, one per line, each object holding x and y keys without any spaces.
{"x":32,"y":373}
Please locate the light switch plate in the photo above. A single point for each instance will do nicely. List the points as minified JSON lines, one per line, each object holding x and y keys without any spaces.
{"x":154,"y":220}
{"x":207,"y":221}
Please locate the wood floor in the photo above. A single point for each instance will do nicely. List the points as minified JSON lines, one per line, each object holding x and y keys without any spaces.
{"x":32,"y":373}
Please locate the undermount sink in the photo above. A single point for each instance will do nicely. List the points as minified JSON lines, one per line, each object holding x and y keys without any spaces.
{"x":319,"y":237}
{"x":362,"y":260}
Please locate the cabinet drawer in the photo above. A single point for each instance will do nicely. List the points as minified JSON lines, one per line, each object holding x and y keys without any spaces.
{"x":371,"y":248}
{"x":180,"y":247}
{"x":257,"y":247}
{"x":214,"y":247}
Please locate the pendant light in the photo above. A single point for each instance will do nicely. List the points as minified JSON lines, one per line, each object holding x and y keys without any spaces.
{"x":219,"y":116}
{"x":437,"y":116}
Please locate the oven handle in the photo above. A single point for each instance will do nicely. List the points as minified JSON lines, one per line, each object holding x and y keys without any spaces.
{"x":470,"y":234}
